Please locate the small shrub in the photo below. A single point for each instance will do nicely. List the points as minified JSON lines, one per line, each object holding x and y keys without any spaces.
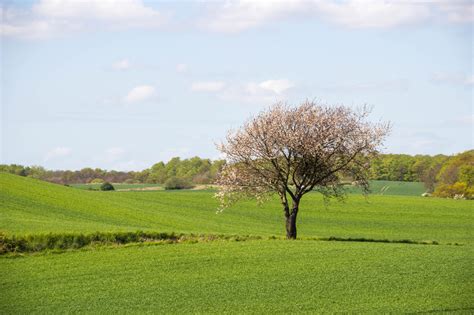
{"x":97,"y":181}
{"x":177,"y":183}
{"x":457,"y":190}
{"x":107,"y":186}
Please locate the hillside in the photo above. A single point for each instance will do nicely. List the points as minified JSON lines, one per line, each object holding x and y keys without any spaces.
{"x":31,"y":206}
{"x":222,"y":276}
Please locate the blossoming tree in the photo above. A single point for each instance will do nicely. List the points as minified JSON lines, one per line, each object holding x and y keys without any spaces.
{"x":290,"y":151}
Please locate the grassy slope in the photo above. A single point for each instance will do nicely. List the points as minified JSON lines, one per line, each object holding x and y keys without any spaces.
{"x":242,"y":277}
{"x":253,"y":276}
{"x":31,"y":206}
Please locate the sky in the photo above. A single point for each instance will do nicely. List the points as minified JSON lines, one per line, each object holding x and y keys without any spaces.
{"x":123,"y":84}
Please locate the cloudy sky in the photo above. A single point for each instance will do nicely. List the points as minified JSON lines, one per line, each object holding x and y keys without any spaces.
{"x":124,"y":84}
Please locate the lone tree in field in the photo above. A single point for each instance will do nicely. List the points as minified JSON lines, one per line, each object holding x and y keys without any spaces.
{"x":291,"y":151}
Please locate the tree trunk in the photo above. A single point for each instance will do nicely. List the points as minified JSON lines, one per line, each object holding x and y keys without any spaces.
{"x":291,"y":227}
{"x":291,"y":223}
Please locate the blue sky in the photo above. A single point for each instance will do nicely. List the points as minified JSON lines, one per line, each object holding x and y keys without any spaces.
{"x":124,"y":84}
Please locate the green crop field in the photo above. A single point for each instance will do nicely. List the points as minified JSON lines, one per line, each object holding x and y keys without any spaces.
{"x":253,"y":276}
{"x":116,"y":186}
{"x":242,"y":277}
{"x":385,"y":187}
{"x":32,"y":206}
{"x":377,"y":187}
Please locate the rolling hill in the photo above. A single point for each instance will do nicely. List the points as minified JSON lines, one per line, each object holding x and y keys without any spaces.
{"x":31,"y":206}
{"x":233,"y":276}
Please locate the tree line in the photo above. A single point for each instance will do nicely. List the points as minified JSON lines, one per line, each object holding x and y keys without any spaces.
{"x":444,"y":175}
{"x":193,"y":170}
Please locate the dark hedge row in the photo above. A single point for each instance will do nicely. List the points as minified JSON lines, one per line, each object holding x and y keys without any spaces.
{"x":63,"y":241}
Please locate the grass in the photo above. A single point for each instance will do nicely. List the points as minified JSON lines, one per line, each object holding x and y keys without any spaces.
{"x":30,"y":207}
{"x":18,"y":245}
{"x":395,"y":188}
{"x":116,"y":186}
{"x":377,"y":187}
{"x":242,"y":277}
{"x":361,"y":256}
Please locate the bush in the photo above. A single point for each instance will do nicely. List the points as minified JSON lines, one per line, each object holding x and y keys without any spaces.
{"x":457,"y":190}
{"x":177,"y":183}
{"x":66,"y":241}
{"x":97,"y":181}
{"x":106,"y":186}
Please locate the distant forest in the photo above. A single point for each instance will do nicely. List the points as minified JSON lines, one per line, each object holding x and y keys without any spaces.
{"x":447,"y":176}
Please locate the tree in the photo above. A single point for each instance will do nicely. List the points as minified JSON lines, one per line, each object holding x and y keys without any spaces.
{"x":291,"y":151}
{"x":456,"y":177}
{"x":177,"y":183}
{"x":450,"y":172}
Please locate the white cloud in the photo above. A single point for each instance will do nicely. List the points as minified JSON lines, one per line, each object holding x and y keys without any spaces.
{"x":236,"y":16}
{"x":140,"y":94}
{"x":113,"y":10}
{"x":57,"y":152}
{"x":123,"y":64}
{"x":456,"y":11}
{"x":263,"y":93}
{"x":373,"y":13}
{"x":49,"y":18}
{"x":468,"y":119}
{"x":453,"y":78}
{"x":469,"y":80}
{"x":181,"y":67}
{"x":277,"y":86}
{"x":207,"y":86}
{"x":240,"y":15}
{"x":269,"y":87}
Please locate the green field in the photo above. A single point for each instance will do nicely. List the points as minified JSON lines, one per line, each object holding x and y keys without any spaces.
{"x":238,"y":277}
{"x":259,"y":276}
{"x":116,"y":186}
{"x":32,"y":206}
{"x":377,"y":187}
{"x":385,"y":187}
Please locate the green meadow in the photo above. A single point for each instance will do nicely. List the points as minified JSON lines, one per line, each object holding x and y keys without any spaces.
{"x":242,"y":277}
{"x":377,"y":187}
{"x":232,"y":276}
{"x":397,"y":188}
{"x":117,"y":186}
